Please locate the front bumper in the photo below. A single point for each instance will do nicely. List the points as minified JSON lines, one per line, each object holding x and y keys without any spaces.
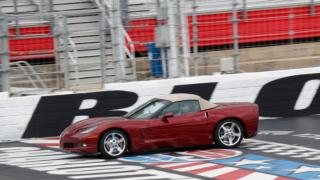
{"x":87,"y":144}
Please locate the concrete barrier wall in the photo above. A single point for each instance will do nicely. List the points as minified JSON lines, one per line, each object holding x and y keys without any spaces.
{"x":278,"y":93}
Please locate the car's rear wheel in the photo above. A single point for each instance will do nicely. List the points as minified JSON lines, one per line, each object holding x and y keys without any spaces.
{"x":113,"y":144}
{"x":228,"y":133}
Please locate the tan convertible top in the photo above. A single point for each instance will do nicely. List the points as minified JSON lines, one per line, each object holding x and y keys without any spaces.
{"x":204,"y":104}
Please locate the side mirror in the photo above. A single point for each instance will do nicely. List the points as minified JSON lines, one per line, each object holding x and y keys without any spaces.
{"x":166,"y":116}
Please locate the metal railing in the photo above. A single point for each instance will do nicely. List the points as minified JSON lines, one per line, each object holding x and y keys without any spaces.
{"x":28,"y":71}
{"x":69,"y":48}
{"x":73,"y":55}
{"x":38,"y":4}
{"x":108,"y":7}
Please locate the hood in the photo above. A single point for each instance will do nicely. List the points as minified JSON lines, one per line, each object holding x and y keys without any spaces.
{"x":93,"y":122}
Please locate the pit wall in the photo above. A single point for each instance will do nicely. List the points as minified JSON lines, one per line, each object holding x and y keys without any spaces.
{"x":278,"y":93}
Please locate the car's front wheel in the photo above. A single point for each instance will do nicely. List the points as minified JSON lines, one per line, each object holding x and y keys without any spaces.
{"x":228,"y":133}
{"x":113,"y":144}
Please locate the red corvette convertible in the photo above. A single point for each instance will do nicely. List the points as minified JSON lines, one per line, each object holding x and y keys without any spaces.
{"x":176,"y":120}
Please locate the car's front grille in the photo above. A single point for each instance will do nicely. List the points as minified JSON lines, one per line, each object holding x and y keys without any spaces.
{"x":68,"y":145}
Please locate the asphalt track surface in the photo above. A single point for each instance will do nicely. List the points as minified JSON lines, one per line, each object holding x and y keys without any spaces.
{"x":286,"y":148}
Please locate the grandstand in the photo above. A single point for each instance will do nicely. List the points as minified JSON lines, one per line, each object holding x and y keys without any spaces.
{"x":83,"y":44}
{"x":78,"y":22}
{"x":264,"y":21}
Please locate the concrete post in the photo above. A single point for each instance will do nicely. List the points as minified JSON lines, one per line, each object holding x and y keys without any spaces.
{"x":46,"y":6}
{"x":66,"y":68}
{"x":235,"y":34}
{"x":244,"y":10}
{"x":4,"y":55}
{"x":103,"y":59}
{"x":185,"y":37}
{"x":162,"y":20}
{"x":124,"y":11}
{"x":312,"y":8}
{"x":174,"y":56}
{"x":16,"y":12}
{"x":118,"y":43}
{"x":195,"y":37}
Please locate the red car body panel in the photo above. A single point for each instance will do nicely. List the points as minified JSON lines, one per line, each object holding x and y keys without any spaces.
{"x":192,"y":129}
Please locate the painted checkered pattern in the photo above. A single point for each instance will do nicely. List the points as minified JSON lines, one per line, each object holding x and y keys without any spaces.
{"x":216,"y":171}
{"x":209,"y":169}
{"x":249,"y":144}
{"x":282,"y":149}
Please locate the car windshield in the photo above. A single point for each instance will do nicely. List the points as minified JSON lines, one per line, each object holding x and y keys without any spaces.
{"x":147,"y":110}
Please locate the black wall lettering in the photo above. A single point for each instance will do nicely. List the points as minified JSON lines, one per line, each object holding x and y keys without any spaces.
{"x":278,"y":98}
{"x":54,"y":113}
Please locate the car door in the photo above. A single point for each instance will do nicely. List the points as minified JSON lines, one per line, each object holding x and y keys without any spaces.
{"x":187,"y":126}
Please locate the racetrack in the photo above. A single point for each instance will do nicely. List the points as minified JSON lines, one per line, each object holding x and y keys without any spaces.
{"x":286,"y":148}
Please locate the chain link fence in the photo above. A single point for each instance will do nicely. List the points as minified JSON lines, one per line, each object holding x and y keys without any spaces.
{"x":115,"y":41}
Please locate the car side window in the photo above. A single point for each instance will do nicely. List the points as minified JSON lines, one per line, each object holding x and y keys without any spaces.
{"x":173,"y":108}
{"x":189,"y":106}
{"x":181,"y":108}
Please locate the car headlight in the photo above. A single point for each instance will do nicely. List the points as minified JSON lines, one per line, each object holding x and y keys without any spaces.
{"x":88,"y":130}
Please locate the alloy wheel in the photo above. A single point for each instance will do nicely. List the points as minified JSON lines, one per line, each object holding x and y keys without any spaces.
{"x":114,"y":144}
{"x":229,"y":133}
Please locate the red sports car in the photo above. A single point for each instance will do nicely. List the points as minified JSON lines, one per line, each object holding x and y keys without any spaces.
{"x":176,"y":120}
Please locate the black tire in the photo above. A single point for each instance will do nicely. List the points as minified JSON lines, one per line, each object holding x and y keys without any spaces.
{"x":103,"y":147}
{"x":219,"y":132}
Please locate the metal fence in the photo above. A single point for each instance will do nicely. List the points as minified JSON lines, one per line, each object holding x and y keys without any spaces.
{"x":56,"y":50}
{"x":28,"y":55}
{"x":230,"y":36}
{"x":114,"y":41}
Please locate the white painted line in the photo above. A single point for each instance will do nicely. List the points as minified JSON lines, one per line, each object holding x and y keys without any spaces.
{"x":280,"y":144}
{"x":257,"y":175}
{"x":194,"y":167}
{"x":54,"y":147}
{"x":290,"y":152}
{"x":304,"y":155}
{"x":279,"y":149}
{"x":174,"y":164}
{"x":218,"y":172}
{"x":314,"y":158}
{"x":264,"y":147}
